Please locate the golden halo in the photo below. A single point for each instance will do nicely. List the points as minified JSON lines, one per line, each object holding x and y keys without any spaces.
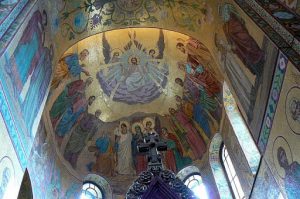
{"x":147,"y":119}
{"x":292,"y":96}
{"x":136,"y":124}
{"x":125,"y":122}
{"x":156,"y":50}
{"x":134,"y":56}
{"x":281,"y":142}
{"x":116,"y":50}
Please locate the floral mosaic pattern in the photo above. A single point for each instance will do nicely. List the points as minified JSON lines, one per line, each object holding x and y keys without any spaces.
{"x":273,"y":100}
{"x":76,"y":17}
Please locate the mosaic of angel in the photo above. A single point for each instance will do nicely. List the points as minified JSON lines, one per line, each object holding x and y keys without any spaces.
{"x":133,"y":74}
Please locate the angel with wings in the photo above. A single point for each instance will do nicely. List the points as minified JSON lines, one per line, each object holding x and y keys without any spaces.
{"x":134,"y":74}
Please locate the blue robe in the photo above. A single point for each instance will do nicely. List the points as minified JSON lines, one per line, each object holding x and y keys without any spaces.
{"x":73,"y":64}
{"x":68,"y":120}
{"x":200,"y":117}
{"x":102,"y":144}
{"x":292,"y":181}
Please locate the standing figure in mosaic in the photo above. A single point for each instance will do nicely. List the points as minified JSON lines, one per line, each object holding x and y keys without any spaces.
{"x":139,"y":159}
{"x":104,"y":164}
{"x":67,"y":98}
{"x":193,"y":137}
{"x":123,"y":138}
{"x":239,"y":81}
{"x":82,"y":133}
{"x":72,"y":115}
{"x":149,"y":127}
{"x":174,"y":158}
{"x":243,"y":44}
{"x":197,"y":53}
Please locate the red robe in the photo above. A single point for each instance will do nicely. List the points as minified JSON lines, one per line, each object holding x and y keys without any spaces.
{"x":245,"y":47}
{"x":193,"y":137}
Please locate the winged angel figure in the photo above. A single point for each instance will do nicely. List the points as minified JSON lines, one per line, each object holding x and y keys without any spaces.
{"x":133,"y":74}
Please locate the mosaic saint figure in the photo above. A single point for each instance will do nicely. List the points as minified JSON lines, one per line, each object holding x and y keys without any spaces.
{"x":40,"y":80}
{"x":295,"y":109}
{"x":68,"y":97}
{"x":292,"y":174}
{"x":149,"y":128}
{"x":202,"y":78}
{"x":69,"y":66}
{"x":197,"y":53}
{"x":243,"y":44}
{"x":239,"y":81}
{"x":194,"y":96}
{"x":81,"y":134}
{"x":104,"y":156}
{"x":134,"y":76}
{"x":174,"y":155}
{"x":190,"y":91}
{"x":139,"y":159}
{"x":30,"y":47}
{"x":29,"y":68}
{"x":123,"y":138}
{"x":193,"y":137}
{"x":72,"y":115}
{"x":197,"y":113}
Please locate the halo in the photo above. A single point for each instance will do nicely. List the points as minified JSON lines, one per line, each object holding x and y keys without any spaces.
{"x":125,"y":122}
{"x":292,"y":95}
{"x":155,"y":49}
{"x":136,"y":124}
{"x":116,"y":50}
{"x":149,"y":119}
{"x":137,"y":53}
{"x":180,"y":40}
{"x":281,"y":142}
{"x":133,"y":56}
{"x":5,"y":162}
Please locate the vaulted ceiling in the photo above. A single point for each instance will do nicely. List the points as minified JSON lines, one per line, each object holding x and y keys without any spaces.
{"x":119,"y":62}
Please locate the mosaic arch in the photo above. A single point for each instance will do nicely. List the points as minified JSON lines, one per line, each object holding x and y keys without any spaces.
{"x":217,"y":168}
{"x":110,"y":89}
{"x":240,"y":129}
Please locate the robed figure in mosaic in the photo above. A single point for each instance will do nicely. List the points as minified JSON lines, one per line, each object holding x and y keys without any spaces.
{"x":133,"y":74}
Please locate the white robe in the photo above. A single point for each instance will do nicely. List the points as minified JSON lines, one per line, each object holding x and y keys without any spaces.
{"x":125,"y":160}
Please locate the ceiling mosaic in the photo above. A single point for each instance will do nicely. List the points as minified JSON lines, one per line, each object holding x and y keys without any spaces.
{"x":111,"y":89}
{"x":79,"y":16}
{"x":133,"y":70}
{"x":72,"y":21}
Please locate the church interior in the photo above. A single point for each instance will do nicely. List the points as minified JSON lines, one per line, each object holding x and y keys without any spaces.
{"x":114,"y":99}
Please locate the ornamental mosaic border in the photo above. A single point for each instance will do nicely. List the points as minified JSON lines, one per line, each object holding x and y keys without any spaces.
{"x":296,"y":17}
{"x":12,"y":16}
{"x":286,"y":35}
{"x":19,"y":123}
{"x":274,"y":96}
{"x":11,"y":129}
{"x":10,"y":30}
{"x":275,"y":31}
